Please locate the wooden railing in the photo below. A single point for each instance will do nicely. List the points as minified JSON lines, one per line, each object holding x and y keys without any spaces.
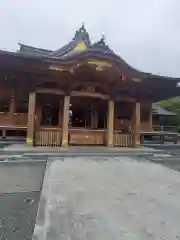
{"x":123,"y":139}
{"x":82,"y":136}
{"x":49,"y":137}
{"x":164,"y":128}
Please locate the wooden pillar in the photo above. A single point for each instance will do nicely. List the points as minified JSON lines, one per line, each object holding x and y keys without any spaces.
{"x":150,"y":118}
{"x":110,"y":140}
{"x":65,"y":121}
{"x":38,"y":115}
{"x":31,"y":119}
{"x":94,"y":117}
{"x":60,"y":113}
{"x":12,"y":109}
{"x":136,"y":125}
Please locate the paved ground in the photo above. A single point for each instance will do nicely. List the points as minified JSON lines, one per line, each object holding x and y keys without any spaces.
{"x":120,"y":197}
{"x":20,"y":185}
{"x":21,"y":176}
{"x":17,"y":215}
{"x":109,"y":198}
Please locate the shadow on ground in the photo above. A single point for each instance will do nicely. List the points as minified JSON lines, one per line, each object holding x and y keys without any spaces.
{"x":18,"y":215}
{"x":20,"y":186}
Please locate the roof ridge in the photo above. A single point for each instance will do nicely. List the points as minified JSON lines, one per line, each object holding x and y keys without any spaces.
{"x":32,"y":47}
{"x":80,"y":34}
{"x":102,"y":45}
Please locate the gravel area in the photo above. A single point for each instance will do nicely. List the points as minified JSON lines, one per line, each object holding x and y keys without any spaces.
{"x":18,"y":215}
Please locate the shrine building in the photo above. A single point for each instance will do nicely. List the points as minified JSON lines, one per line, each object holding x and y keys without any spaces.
{"x":80,"y":94}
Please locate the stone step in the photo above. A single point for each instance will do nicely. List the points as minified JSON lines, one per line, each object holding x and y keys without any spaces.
{"x":45,"y":152}
{"x":77,"y":154}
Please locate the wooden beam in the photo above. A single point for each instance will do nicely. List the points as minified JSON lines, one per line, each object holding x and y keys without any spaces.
{"x":50,"y":91}
{"x":89,"y":94}
{"x":31,"y":119}
{"x":94,"y":116}
{"x":125,"y":99}
{"x":110,"y":140}
{"x":65,"y":121}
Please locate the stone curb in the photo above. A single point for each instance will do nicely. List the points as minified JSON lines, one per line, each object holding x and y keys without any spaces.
{"x":21,"y":162}
{"x":40,"y":227}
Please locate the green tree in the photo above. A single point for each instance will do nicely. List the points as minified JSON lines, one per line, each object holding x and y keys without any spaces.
{"x":173,"y":105}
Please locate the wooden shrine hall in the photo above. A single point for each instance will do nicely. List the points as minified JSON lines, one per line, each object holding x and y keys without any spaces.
{"x":80,"y":94}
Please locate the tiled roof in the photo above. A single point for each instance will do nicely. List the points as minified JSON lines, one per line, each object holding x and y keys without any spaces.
{"x":156,"y":110}
{"x":29,"y":50}
{"x":99,"y":50}
{"x":80,"y":35}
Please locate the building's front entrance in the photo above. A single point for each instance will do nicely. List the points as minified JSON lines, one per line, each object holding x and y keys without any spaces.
{"x":86,"y":121}
{"x":48,"y":124}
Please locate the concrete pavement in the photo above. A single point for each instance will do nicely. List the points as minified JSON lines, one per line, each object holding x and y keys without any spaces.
{"x":20,"y":185}
{"x":21,"y":176}
{"x":108,"y":198}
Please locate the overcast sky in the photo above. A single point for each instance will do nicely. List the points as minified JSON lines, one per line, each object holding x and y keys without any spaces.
{"x":145,"y":33}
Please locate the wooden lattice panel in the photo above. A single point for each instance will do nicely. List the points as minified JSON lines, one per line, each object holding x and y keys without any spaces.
{"x":123,"y":140}
{"x":49,"y":138}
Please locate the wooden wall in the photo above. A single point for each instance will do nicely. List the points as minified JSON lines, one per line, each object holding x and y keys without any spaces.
{"x":18,"y":119}
{"x":124,"y":123}
{"x":146,"y":126}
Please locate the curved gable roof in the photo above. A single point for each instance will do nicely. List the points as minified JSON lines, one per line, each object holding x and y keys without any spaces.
{"x":71,"y":50}
{"x":81,"y":36}
{"x":69,"y":53}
